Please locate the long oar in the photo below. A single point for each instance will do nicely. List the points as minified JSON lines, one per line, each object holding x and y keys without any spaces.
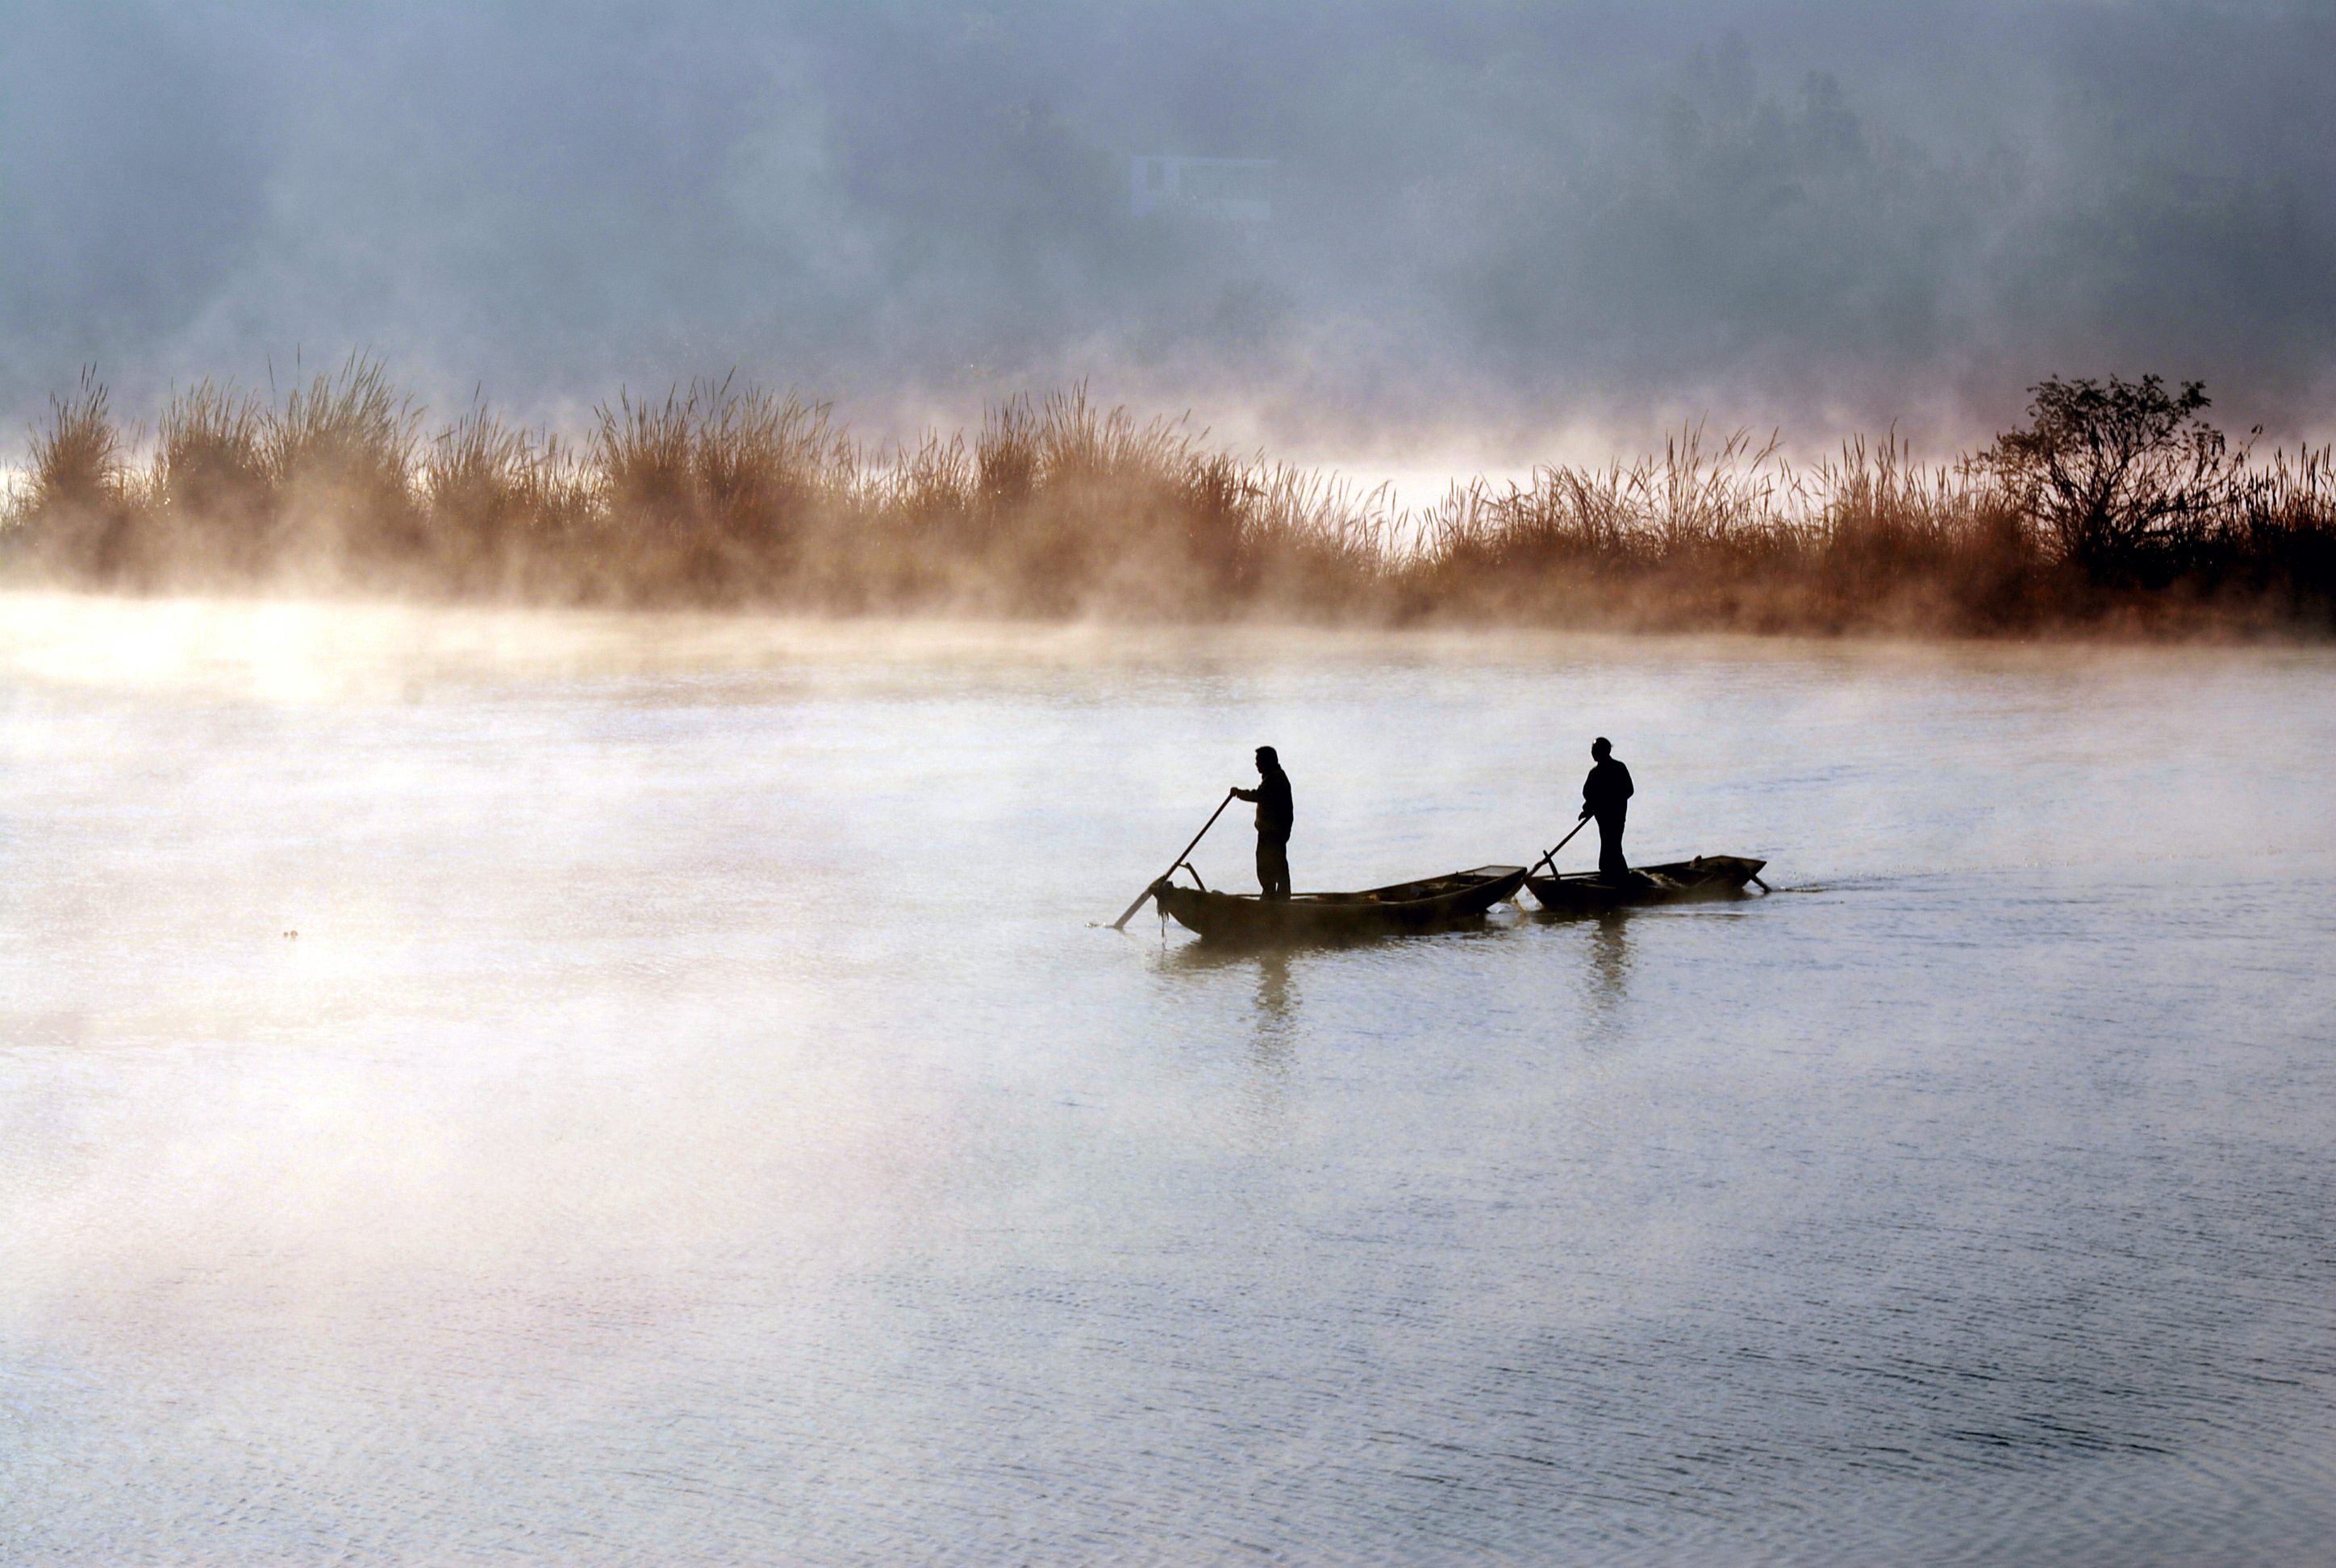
{"x":1550,"y":860}
{"x":1121,"y":924}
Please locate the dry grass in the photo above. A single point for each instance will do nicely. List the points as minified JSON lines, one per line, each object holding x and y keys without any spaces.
{"x":720,"y":496}
{"x":1733,"y":537}
{"x":81,"y":493}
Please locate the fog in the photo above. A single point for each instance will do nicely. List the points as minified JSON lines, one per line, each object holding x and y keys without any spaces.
{"x":1499,"y":232}
{"x":599,"y":1088}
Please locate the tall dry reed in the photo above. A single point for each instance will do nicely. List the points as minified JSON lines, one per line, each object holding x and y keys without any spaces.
{"x":77,"y":515}
{"x":717,"y":495}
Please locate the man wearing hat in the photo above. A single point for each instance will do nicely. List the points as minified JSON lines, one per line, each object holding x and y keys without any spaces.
{"x":1273,"y":817}
{"x":1606,"y":796}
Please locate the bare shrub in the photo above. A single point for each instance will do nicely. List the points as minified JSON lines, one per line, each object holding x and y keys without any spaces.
{"x":2122,"y":476}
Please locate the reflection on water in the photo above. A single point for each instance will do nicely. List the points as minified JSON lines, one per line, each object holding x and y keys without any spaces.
{"x":1270,"y":1053}
{"x":1610,"y":962}
{"x":1274,"y":1003}
{"x":1270,"y":1028}
{"x":697,"y":1121}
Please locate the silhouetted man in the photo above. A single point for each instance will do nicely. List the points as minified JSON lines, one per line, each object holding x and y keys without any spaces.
{"x":1274,"y":817}
{"x":1606,"y":796}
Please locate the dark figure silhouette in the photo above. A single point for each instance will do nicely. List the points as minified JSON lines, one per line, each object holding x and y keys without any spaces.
{"x":1606,"y":796}
{"x":1274,"y":817}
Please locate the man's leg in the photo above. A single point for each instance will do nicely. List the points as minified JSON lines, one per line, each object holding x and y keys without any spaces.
{"x":1610,"y":864}
{"x":1273,"y":867}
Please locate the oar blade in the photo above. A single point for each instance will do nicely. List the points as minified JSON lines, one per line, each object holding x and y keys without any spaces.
{"x":1121,"y":923}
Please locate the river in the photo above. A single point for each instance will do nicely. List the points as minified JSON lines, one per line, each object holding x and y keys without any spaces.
{"x":699,"y":1119}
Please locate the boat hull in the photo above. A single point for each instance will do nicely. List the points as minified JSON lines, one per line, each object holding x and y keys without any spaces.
{"x":1679,"y":881}
{"x":1436,"y":903}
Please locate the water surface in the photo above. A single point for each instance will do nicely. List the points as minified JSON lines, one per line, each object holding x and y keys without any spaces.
{"x":697,"y":1120}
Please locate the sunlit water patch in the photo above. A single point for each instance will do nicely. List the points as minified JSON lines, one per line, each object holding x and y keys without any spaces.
{"x":698,"y":1119}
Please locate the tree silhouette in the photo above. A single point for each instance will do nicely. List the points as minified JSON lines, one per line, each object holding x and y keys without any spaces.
{"x":2118,"y":473}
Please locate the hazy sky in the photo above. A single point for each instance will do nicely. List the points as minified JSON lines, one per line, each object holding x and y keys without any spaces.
{"x":1494,"y":223}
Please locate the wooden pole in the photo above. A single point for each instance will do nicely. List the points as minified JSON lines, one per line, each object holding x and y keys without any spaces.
{"x":1121,"y":924}
{"x":1550,"y":860}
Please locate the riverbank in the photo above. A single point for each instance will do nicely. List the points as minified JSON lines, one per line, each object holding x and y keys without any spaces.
{"x":725,"y":498}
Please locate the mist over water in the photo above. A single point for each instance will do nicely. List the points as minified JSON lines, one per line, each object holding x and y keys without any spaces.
{"x":1499,"y":234}
{"x":604,"y":1088}
{"x":696,"y":1120}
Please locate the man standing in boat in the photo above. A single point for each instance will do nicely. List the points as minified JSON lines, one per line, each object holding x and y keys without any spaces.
{"x":1274,"y":818}
{"x":1606,"y":796}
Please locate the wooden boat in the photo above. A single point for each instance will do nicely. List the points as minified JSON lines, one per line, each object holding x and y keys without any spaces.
{"x":1433,"y":904}
{"x":1704,"y":877}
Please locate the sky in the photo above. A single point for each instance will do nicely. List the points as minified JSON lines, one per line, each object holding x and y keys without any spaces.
{"x":1501,"y":231}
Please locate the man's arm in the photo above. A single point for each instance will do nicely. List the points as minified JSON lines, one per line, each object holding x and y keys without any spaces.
{"x":1244,"y":794}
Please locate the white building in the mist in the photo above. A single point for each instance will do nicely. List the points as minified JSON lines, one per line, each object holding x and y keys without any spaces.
{"x":1225,"y":189}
